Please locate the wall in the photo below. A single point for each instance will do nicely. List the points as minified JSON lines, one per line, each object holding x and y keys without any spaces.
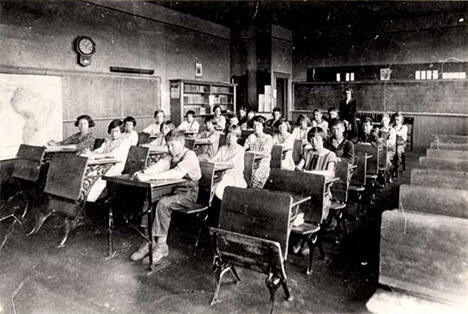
{"x":434,"y":38}
{"x":40,"y":35}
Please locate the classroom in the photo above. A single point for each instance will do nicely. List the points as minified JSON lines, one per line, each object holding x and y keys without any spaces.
{"x":233,"y":156}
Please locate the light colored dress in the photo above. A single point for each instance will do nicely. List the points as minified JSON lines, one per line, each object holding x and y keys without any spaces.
{"x":234,"y":176}
{"x":193,"y":127}
{"x":287,"y":162}
{"x":132,"y":137}
{"x":300,"y":134}
{"x":263,"y":144}
{"x":153,"y":129}
{"x":117,"y":149}
{"x":401,"y":133}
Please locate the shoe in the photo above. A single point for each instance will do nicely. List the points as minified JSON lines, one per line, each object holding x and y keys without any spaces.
{"x":296,"y":247}
{"x":142,"y":251}
{"x":160,"y":251}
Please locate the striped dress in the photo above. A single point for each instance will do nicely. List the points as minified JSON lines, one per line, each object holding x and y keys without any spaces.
{"x":264,"y":144}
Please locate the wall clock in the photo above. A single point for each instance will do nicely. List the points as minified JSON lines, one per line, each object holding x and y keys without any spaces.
{"x":85,"y":47}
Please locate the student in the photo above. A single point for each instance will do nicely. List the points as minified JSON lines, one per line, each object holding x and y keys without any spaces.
{"x":242,"y":116}
{"x":260,"y":142}
{"x":319,"y":159}
{"x":231,"y":154}
{"x":180,"y":163}
{"x":337,"y":143}
{"x":333,"y":114}
{"x":116,"y":147}
{"x":367,"y":134}
{"x":155,"y":128}
{"x":160,"y":141}
{"x":387,"y":136}
{"x":248,"y":125}
{"x":233,"y":120}
{"x":300,"y":132}
{"x":319,"y":121}
{"x":401,"y":132}
{"x":83,"y":140}
{"x":208,"y":151}
{"x":219,"y":121}
{"x":190,"y":125}
{"x":284,"y":138}
{"x":273,"y":123}
{"x":130,"y":133}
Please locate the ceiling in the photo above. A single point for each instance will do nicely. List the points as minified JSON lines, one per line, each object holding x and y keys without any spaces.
{"x":300,"y":16}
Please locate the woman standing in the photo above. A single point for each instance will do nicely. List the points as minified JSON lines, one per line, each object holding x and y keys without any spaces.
{"x":348,"y":109}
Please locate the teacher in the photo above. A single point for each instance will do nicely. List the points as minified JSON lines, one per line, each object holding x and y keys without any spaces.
{"x":348,"y":111}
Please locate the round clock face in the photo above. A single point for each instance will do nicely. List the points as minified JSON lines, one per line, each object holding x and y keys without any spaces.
{"x":85,"y":46}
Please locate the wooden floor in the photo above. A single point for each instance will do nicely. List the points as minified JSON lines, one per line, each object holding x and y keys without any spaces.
{"x":37,"y":277}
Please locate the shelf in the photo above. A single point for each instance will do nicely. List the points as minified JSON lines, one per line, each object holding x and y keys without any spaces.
{"x":197,"y":93}
{"x":228,"y":94}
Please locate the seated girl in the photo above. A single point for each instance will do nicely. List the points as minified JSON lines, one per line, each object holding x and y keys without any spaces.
{"x":318,"y":121}
{"x":231,"y":154}
{"x":219,"y":120}
{"x":300,"y":132}
{"x":284,"y":138}
{"x":387,"y":137}
{"x":189,"y":125}
{"x":116,"y":147}
{"x":83,"y":140}
{"x":261,"y":143}
{"x":130,"y":133}
{"x":212,"y":136}
{"x":160,"y":141}
{"x":401,"y":132}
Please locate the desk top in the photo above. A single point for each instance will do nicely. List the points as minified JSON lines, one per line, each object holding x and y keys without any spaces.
{"x":157,"y":150}
{"x":202,"y":141}
{"x":60,"y":149}
{"x":126,"y":179}
{"x":102,"y":161}
{"x":258,"y":155}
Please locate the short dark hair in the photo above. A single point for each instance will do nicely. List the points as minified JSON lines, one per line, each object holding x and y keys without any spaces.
{"x":130,"y":119}
{"x":175,"y":135}
{"x":259,"y":119}
{"x":332,"y":109}
{"x":348,"y":89}
{"x":335,"y":122}
{"x":158,"y":111}
{"x":169,"y":123}
{"x":114,"y":124}
{"x":301,"y":118}
{"x":368,"y":120}
{"x":190,"y":112}
{"x":316,"y":131}
{"x":235,"y":129}
{"x":216,"y":107}
{"x":243,"y":108}
{"x":209,"y":119}
{"x":86,"y":117}
{"x":277,"y":109}
{"x":317,"y":110}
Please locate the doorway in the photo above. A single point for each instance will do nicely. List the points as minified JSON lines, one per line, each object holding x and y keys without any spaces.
{"x":282,"y":92}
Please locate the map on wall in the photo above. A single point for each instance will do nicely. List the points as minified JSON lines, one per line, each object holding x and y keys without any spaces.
{"x":30,"y":111}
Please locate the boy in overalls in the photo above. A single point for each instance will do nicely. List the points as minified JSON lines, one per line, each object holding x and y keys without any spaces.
{"x":180,"y":163}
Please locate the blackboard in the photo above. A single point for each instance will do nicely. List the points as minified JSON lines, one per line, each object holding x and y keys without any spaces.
{"x":105,"y":96}
{"x":437,"y":96}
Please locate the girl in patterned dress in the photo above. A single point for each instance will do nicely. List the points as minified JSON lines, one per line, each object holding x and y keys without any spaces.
{"x":83,"y":140}
{"x":259,"y":142}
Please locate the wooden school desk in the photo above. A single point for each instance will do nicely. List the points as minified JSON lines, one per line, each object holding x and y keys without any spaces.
{"x":156,"y":153}
{"x":155,"y":190}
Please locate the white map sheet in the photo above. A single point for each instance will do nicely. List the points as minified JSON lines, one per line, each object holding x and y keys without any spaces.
{"x":30,"y":111}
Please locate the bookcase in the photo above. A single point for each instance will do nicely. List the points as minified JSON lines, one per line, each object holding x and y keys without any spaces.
{"x":200,"y":97}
